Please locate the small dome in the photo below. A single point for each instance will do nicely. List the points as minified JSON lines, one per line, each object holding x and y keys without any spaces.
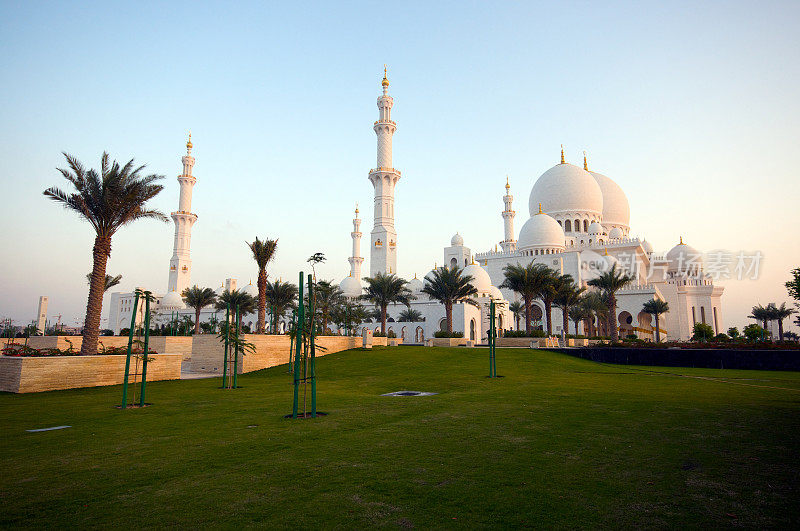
{"x":496,"y":293}
{"x":611,"y":261}
{"x":615,"y":233}
{"x":172,"y":301}
{"x":595,"y":228}
{"x":541,"y":231}
{"x":351,"y":287}
{"x":220,"y":290}
{"x":415,"y":285}
{"x":250,"y":289}
{"x":616,"y":209}
{"x":647,"y":246}
{"x":480,"y":278}
{"x":684,"y":259}
{"x":456,"y":240}
{"x":566,"y":188}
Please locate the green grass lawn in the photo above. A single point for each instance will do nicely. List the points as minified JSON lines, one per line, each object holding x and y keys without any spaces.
{"x":558,"y":442}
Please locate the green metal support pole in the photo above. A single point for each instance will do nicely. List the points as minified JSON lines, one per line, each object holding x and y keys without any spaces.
{"x":128,"y":357}
{"x":313,"y":349}
{"x":492,"y":372}
{"x":225,"y":359}
{"x":291,"y":340}
{"x":146,"y":343}
{"x":236,"y":346}
{"x":298,"y":341}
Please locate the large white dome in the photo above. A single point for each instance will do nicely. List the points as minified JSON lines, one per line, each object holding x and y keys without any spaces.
{"x":616,"y":210}
{"x":250,"y":289}
{"x":684,"y":259}
{"x":615,"y":233}
{"x":415,"y":285}
{"x":351,"y":287}
{"x":541,"y":230}
{"x":566,"y":188}
{"x":480,"y":278}
{"x":172,"y":301}
{"x":456,"y":240}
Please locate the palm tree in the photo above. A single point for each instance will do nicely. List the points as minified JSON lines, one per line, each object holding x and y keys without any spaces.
{"x":348,"y":315}
{"x":449,"y":286}
{"x":568,"y":294}
{"x":385,"y":289}
{"x":263,"y":253}
{"x":280,"y":296}
{"x":656,"y":307}
{"x":527,"y":281}
{"x":109,"y":283}
{"x":609,"y":283}
{"x":779,"y":313}
{"x":548,"y":291}
{"x":579,"y":313}
{"x":761,"y":313}
{"x":517,"y":308}
{"x":198,"y":298}
{"x":410,"y":315}
{"x":246,"y":303}
{"x":327,"y":296}
{"x":108,"y":200}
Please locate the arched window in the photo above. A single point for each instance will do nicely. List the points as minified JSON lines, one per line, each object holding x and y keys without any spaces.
{"x":472,"y":330}
{"x":577,"y":225}
{"x":465,"y":262}
{"x":585,"y":225}
{"x":568,"y":226}
{"x":453,"y":263}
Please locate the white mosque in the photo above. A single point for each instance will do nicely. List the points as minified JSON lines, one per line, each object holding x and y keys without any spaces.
{"x":579,"y":224}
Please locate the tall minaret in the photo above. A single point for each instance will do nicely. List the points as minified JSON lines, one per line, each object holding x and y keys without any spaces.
{"x":180,"y":266}
{"x":383,"y":253}
{"x":508,"y":243}
{"x":356,"y":260}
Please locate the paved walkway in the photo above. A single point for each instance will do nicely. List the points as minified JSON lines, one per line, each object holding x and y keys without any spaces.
{"x":186,"y":373}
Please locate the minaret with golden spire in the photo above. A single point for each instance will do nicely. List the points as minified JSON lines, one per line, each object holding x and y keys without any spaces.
{"x":509,"y":243}
{"x":383,"y":238}
{"x":180,"y":265}
{"x":356,"y":260}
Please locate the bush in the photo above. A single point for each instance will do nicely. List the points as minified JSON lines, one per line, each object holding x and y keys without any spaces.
{"x":702,"y":332}
{"x":753,"y":332}
{"x":391,"y":334}
{"x":631,"y":337}
{"x":722,"y":338}
{"x":446,"y":334}
{"x":733,"y":332}
{"x":378,"y":334}
{"x":523,"y":333}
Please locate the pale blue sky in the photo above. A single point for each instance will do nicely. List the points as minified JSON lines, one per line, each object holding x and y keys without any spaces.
{"x":691,"y":107}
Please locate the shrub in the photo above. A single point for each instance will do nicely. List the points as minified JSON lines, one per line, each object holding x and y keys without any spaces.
{"x":723,"y":338}
{"x":391,"y":334}
{"x":523,"y":333}
{"x":702,"y":332}
{"x":733,"y":332}
{"x":631,"y":337}
{"x":378,"y":334}
{"x":753,"y":332}
{"x":446,"y":334}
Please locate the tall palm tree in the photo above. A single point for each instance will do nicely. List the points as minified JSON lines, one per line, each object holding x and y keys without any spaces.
{"x":548,"y":291}
{"x":779,"y":313}
{"x":348,"y":315}
{"x":517,"y":309}
{"x":247,"y":303}
{"x":281,"y":296}
{"x":385,"y":289}
{"x":568,"y":294}
{"x":327,"y":296}
{"x":109,"y":199}
{"x":449,"y":285}
{"x":263,"y":253}
{"x":609,"y":283}
{"x":762,"y":314}
{"x":527,"y":281}
{"x":198,"y":298}
{"x":410,"y":315}
{"x":656,"y":307}
{"x":109,"y":283}
{"x":579,"y":313}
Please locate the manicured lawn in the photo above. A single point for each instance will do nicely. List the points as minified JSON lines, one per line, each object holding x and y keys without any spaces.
{"x":559,"y":442}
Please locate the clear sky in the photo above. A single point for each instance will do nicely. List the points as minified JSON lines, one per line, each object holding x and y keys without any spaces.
{"x":691,"y":107}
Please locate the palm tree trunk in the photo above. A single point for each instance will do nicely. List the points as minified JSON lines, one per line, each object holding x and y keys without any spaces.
{"x":527,"y":315}
{"x":658,"y":331}
{"x":262,"y":301}
{"x":780,"y":329}
{"x":197,"y":320}
{"x":448,"y":312}
{"x":565,"y":319}
{"x":548,"y":306}
{"x":383,"y":319}
{"x":94,"y":306}
{"x":612,"y":318}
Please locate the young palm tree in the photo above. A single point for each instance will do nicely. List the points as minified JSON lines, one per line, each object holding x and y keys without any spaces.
{"x":348,"y":315}
{"x":517,"y":309}
{"x":410,"y":316}
{"x":779,"y":313}
{"x":263,"y":253}
{"x":198,"y":298}
{"x":327,"y":296}
{"x":527,"y":281}
{"x":609,"y":283}
{"x":109,"y":199}
{"x":109,"y":283}
{"x":449,"y":286}
{"x":281,"y":296}
{"x":579,"y":313}
{"x":761,"y":313}
{"x":567,"y":295}
{"x":383,"y":290}
{"x":656,"y":307}
{"x":247,"y":304}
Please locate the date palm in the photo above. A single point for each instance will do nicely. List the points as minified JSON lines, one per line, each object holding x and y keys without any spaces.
{"x":109,"y":283}
{"x":609,"y":283}
{"x":656,"y":307}
{"x":263,"y":253}
{"x":198,"y":298}
{"x":761,"y":313}
{"x":779,"y":313}
{"x":233,"y":298}
{"x":579,"y":313}
{"x":517,"y":309}
{"x":327,"y":296}
{"x":108,"y":199}
{"x":280,"y":296}
{"x":385,"y":289}
{"x":410,"y":315}
{"x":527,"y":281}
{"x":568,"y":294}
{"x":449,"y":285}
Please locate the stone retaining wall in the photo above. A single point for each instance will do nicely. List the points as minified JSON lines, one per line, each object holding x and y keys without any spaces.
{"x":34,"y":374}
{"x":159,"y":344}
